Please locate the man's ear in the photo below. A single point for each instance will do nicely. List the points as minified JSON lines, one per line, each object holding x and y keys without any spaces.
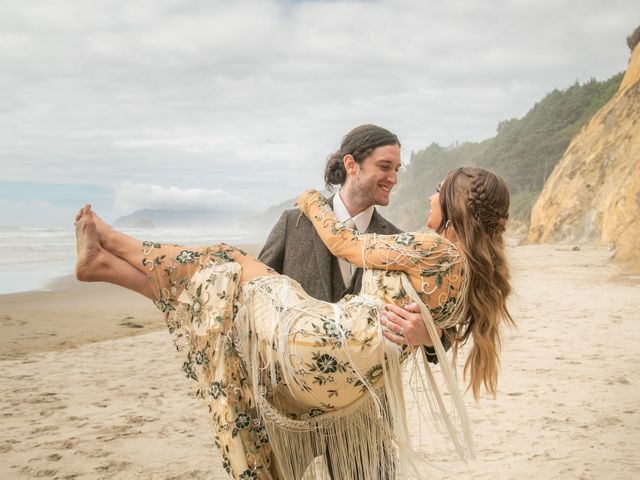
{"x":350,"y":164}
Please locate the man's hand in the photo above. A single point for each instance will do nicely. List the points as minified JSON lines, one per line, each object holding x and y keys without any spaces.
{"x":405,"y":325}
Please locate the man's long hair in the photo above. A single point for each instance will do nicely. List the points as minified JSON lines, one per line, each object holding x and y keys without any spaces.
{"x":359,"y":143}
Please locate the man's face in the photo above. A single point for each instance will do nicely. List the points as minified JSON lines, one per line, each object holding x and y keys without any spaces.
{"x":374,"y":178}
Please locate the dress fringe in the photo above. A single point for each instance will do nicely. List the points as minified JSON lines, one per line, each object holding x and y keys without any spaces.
{"x":368,"y":439}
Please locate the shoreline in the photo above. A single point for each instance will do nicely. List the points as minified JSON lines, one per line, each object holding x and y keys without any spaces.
{"x":59,"y":274}
{"x":68,"y":314}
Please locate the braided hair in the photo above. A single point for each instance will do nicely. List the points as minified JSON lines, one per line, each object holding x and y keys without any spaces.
{"x":475,"y":203}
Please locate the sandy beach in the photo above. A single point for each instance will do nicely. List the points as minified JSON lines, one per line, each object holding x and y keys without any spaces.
{"x":91,"y":388}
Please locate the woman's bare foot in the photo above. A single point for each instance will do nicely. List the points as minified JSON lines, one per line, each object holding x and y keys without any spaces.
{"x":105,"y":231}
{"x":90,"y":253}
{"x":81,"y":213}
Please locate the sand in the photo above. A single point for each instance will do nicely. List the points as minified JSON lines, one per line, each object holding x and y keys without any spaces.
{"x":91,"y":388}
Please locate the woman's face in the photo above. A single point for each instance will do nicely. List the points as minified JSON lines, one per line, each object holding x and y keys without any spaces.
{"x":435,"y":214}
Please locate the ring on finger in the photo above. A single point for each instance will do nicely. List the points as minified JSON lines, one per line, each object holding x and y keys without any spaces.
{"x":402,"y":331}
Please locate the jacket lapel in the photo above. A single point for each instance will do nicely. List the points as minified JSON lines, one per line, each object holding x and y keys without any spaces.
{"x":378,"y":224}
{"x":323,"y":258}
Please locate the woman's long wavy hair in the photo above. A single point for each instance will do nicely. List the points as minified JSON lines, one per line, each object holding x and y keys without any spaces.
{"x":475,"y":203}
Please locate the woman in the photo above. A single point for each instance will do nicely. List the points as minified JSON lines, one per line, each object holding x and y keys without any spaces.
{"x":283,"y":372}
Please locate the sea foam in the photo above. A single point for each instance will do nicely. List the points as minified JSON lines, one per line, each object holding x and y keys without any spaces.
{"x":31,"y":257}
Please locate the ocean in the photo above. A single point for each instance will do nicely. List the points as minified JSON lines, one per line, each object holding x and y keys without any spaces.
{"x":32,"y":257}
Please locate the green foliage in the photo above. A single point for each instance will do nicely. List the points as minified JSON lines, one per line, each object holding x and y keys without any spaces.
{"x":524,"y":152}
{"x":633,"y":39}
{"x":521,"y":205}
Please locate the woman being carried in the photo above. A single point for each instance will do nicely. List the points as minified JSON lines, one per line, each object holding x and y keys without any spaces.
{"x":286,"y":375}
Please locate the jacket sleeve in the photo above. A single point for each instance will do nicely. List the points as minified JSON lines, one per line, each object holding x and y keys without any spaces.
{"x":272,"y":253}
{"x":446,"y":344}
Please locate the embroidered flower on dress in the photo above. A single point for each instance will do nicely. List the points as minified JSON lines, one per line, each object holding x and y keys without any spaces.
{"x":226,"y":464}
{"x":331,"y":329}
{"x":261,"y":433}
{"x":186,"y":256}
{"x":326,"y":363}
{"x":201,"y":358}
{"x":314,"y":412}
{"x":338,"y":227}
{"x":222,"y":257}
{"x":405,"y":239}
{"x":164,"y":306}
{"x":248,"y":474}
{"x":187,"y":368}
{"x":216,"y":390}
{"x":196,"y":307}
{"x":374,"y":373}
{"x":242,"y":420}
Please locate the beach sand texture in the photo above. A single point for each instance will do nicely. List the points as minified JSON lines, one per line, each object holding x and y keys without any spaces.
{"x":91,"y":387}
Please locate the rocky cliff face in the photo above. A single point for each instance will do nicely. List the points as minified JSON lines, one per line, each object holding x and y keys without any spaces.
{"x":593,"y":194}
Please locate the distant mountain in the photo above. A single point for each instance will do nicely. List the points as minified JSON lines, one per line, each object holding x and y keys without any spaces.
{"x":524,"y":152}
{"x":264,"y":221}
{"x":258,"y":224}
{"x":166,"y":218}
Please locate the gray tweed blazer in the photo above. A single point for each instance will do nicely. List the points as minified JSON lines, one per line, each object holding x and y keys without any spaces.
{"x":293,"y":248}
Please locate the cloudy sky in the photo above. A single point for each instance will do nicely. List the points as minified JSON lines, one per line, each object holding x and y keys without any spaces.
{"x":167,"y":103}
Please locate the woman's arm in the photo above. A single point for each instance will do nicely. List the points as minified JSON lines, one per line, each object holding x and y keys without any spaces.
{"x":419,"y":254}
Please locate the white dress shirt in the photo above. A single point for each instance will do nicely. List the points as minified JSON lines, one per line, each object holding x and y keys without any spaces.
{"x":362,"y":219}
{"x":361,"y":222}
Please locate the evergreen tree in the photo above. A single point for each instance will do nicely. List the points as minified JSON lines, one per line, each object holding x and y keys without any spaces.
{"x":524,"y":152}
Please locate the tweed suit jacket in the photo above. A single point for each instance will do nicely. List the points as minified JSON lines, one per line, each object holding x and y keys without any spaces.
{"x":293,"y":248}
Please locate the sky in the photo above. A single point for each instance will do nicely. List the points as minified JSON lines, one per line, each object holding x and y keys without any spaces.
{"x":236,"y":105}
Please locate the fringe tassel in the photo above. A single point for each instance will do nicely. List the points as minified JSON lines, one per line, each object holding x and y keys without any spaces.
{"x":370,"y":439}
{"x":356,"y":445}
{"x":462,"y":438}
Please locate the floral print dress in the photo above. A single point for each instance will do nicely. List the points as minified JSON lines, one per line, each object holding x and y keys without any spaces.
{"x":272,"y":363}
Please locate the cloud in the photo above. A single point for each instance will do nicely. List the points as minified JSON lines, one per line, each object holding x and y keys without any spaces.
{"x":134,"y":196}
{"x":251,"y":96}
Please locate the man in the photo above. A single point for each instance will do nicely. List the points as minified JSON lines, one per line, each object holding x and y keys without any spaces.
{"x":366,"y":168}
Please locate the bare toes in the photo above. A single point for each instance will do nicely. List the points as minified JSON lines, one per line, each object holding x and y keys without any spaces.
{"x":79,"y":215}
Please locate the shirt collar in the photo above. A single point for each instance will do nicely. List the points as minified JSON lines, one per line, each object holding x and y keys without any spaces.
{"x":362,"y":220}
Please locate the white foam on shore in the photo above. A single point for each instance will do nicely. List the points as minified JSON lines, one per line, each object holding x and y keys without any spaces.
{"x":32,"y":257}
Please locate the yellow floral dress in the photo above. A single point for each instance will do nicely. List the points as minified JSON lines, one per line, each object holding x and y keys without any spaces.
{"x":287,"y":377}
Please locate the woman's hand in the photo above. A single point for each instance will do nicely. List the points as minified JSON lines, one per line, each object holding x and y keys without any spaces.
{"x":307,"y":197}
{"x":405,"y":325}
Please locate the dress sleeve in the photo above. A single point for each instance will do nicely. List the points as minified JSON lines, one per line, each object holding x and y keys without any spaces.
{"x":417,"y":254}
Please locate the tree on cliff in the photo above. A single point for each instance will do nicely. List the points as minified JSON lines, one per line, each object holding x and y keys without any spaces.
{"x":633,"y":39}
{"x":524,"y":151}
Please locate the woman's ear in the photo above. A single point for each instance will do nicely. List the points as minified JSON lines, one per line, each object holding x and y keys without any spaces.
{"x":350,"y":164}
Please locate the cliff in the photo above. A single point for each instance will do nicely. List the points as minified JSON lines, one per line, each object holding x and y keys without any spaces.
{"x":593,"y":194}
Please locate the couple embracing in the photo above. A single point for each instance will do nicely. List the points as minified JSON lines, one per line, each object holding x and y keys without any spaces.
{"x":299,"y":355}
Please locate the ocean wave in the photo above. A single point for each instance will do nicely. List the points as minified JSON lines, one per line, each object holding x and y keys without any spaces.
{"x":48,"y":251}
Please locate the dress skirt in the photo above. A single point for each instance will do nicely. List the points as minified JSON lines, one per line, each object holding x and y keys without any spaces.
{"x":286,"y":377}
